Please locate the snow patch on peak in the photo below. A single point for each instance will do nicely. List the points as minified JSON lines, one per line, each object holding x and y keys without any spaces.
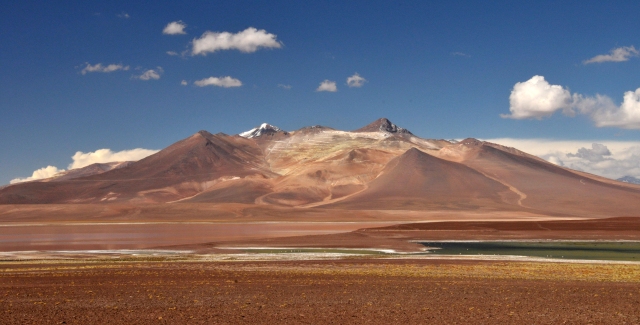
{"x":264,"y":128}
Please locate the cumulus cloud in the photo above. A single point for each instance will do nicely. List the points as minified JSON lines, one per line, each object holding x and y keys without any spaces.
{"x":612,"y":159}
{"x":596,"y":153}
{"x":151,"y":74}
{"x":327,"y":85}
{"x":41,"y":173}
{"x":247,"y":41}
{"x":619,"y":54}
{"x":536,"y":98}
{"x":175,"y":28}
{"x":627,"y":116}
{"x":356,"y":81}
{"x":82,"y":159}
{"x":225,"y":82}
{"x":103,"y":68}
{"x":600,"y":160}
{"x":184,"y":82}
{"x":287,"y":87}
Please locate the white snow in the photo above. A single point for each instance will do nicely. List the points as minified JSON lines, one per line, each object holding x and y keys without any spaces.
{"x":256,"y":132}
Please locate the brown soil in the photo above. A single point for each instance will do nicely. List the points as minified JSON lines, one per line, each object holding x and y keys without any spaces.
{"x":403,"y":237}
{"x":319,"y":292}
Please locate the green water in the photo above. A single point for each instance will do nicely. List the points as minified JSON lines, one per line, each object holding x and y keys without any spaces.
{"x":616,"y":251}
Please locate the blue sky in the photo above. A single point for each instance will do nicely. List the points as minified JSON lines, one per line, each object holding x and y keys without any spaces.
{"x":440,"y":69}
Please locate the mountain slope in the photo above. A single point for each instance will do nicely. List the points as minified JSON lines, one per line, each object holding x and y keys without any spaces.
{"x":416,"y":180}
{"x":180,"y":170}
{"x":545,"y":186}
{"x":93,"y":169}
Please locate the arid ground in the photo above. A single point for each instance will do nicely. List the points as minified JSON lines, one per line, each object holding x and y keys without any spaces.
{"x":219,"y":283}
{"x":350,"y":291}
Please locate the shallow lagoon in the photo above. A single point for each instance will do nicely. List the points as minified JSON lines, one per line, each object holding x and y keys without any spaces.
{"x":594,"y":250}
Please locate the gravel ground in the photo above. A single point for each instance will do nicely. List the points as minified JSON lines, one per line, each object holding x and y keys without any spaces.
{"x":318,"y":292}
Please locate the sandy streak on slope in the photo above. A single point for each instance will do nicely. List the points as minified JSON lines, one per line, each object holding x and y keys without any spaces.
{"x":511,"y":188}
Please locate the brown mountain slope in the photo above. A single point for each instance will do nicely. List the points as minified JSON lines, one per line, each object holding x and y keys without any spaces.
{"x":416,"y":180}
{"x":235,"y":190}
{"x":93,"y":169}
{"x":547,"y":187}
{"x":180,"y":170}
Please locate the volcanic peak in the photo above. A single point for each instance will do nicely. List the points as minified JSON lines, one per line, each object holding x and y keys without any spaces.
{"x":264,"y":128}
{"x":383,"y":125}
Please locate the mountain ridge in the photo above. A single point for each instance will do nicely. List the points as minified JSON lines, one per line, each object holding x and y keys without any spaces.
{"x":380,"y":166}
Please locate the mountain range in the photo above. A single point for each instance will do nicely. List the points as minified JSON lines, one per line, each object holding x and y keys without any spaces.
{"x":378,"y":167}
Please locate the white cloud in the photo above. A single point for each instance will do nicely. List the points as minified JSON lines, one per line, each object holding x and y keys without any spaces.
{"x":101,"y":68}
{"x":460,"y":54}
{"x":619,"y":54}
{"x":173,"y":53}
{"x":247,"y":41}
{"x":536,"y":98}
{"x":123,"y":15}
{"x":81,"y":159}
{"x":175,"y":28}
{"x":287,"y":87}
{"x":627,"y":116}
{"x":612,"y":159}
{"x":184,"y":82}
{"x":226,"y":82}
{"x":151,"y":74}
{"x":356,"y":81}
{"x":327,"y":86}
{"x":41,"y":173}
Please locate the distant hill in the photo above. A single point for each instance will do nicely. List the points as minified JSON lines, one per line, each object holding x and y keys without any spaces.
{"x":380,"y":166}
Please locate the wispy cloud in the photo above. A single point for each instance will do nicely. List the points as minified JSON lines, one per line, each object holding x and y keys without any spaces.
{"x":123,"y":15}
{"x":151,"y":74}
{"x":536,"y":98}
{"x":173,"y":53}
{"x":461,"y":54}
{"x":247,"y":41}
{"x":619,"y":54}
{"x":184,"y":82}
{"x":103,"y":68}
{"x":287,"y":87}
{"x":175,"y":28}
{"x":356,"y":81}
{"x":225,"y":82}
{"x":327,"y":85}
